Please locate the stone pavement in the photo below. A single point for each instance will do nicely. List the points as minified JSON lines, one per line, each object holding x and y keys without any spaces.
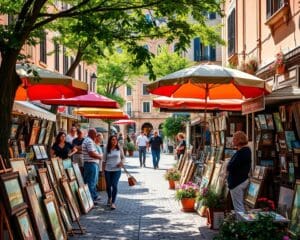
{"x":146,"y":211}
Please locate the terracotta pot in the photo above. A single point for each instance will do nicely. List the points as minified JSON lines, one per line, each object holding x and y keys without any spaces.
{"x":280,"y":69}
{"x":130,"y":153}
{"x":171,"y":184}
{"x":188,"y":204}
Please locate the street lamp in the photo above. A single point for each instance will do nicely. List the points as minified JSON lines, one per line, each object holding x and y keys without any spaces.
{"x":93,"y":81}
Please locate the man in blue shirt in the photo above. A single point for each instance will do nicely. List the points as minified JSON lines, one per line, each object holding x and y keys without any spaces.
{"x":156,"y":145}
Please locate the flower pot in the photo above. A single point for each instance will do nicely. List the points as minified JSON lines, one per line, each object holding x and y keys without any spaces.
{"x":214,"y":218}
{"x":280,"y":69}
{"x":171,"y":184}
{"x":130,"y":153}
{"x":188,"y":204}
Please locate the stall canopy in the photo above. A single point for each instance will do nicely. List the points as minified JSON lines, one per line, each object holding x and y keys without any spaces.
{"x":25,"y":107}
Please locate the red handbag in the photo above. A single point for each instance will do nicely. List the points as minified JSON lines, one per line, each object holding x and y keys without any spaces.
{"x":131,"y":179}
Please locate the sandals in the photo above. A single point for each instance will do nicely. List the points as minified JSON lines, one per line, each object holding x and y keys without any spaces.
{"x":113,"y":206}
{"x":108,"y":202}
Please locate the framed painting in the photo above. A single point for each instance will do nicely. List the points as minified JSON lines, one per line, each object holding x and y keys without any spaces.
{"x":54,"y":219}
{"x":256,"y":171}
{"x":253,"y":192}
{"x":44,"y":180}
{"x":204,"y":183}
{"x":78,"y":174}
{"x":209,"y":170}
{"x":74,"y":188}
{"x":213,"y":182}
{"x":39,"y":220}
{"x":61,"y":167}
{"x":12,"y":194}
{"x":65,"y":218}
{"x":13,"y":131}
{"x":44,"y":123}
{"x":69,"y":196}
{"x":24,"y":225}
{"x":33,"y":136}
{"x":285,"y":201}
{"x":89,"y":196}
{"x":84,"y":202}
{"x":283,"y":163}
{"x":67,"y":163}
{"x":42,"y":136}
{"x":48,"y":133}
{"x":37,"y":152}
{"x":295,"y":223}
{"x":43,"y":152}
{"x":50,"y":172}
{"x":36,"y":123}
{"x":22,"y":146}
{"x":222,"y":177}
{"x":18,"y":165}
{"x":282,"y":113}
{"x":56,"y":168}
{"x":71,"y":173}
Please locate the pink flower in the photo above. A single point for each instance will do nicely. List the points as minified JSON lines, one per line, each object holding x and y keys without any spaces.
{"x":285,"y":238}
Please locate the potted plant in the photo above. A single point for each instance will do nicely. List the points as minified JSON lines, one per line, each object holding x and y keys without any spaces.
{"x":130,"y":148}
{"x":187,"y":194}
{"x":250,"y":66}
{"x":172,"y":175}
{"x":279,"y":63}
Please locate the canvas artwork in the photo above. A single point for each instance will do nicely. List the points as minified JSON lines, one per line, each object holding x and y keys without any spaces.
{"x":25,"y":226}
{"x":44,"y":180}
{"x":44,"y":123}
{"x":209,"y":170}
{"x":56,"y":168}
{"x":13,"y":131}
{"x":89,"y":196}
{"x":43,"y":152}
{"x":222,"y":138}
{"x":262,"y":121}
{"x":256,"y":172}
{"x":269,"y":120}
{"x":18,"y":164}
{"x":61,"y":167}
{"x":285,"y":201}
{"x":229,"y":143}
{"x":36,"y":123}
{"x":267,"y":162}
{"x":253,"y":192}
{"x":282,"y":113}
{"x":66,"y":219}
{"x":295,"y":216}
{"x":283,"y":163}
{"x":22,"y":146}
{"x":71,"y":173}
{"x":33,"y":136}
{"x":262,"y":172}
{"x":37,"y":152}
{"x":204,"y":183}
{"x":74,"y":188}
{"x":42,"y":136}
{"x":12,"y":192}
{"x":50,"y":172}
{"x":291,"y":172}
{"x":69,"y":196}
{"x":84,"y":202}
{"x":48,"y":132}
{"x":257,"y":122}
{"x":277,"y":121}
{"x":289,"y":137}
{"x":215,"y":176}
{"x":67,"y":163}
{"x":228,"y":153}
{"x":78,"y":174}
{"x":32,"y":173}
{"x":267,"y":138}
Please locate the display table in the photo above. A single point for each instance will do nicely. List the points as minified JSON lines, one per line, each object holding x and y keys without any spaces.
{"x":253,"y":215}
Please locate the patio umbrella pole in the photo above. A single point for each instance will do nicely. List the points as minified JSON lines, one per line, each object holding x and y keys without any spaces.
{"x":205,"y":112}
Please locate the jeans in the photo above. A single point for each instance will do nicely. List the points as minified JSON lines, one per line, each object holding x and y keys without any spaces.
{"x":112,"y":180}
{"x":90,"y":176}
{"x":155,"y":157}
{"x":142,"y":155}
{"x":237,"y":196}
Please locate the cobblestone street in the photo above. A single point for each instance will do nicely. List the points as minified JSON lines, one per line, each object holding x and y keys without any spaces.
{"x":145,"y":211}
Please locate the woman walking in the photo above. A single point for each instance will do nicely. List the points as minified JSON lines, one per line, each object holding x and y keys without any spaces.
{"x":113,"y":160}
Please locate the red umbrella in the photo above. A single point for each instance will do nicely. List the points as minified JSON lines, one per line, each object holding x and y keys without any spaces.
{"x":89,"y":100}
{"x":129,"y":121}
{"x":47,"y":85}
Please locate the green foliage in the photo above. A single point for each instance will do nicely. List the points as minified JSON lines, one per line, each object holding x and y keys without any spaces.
{"x":210,"y":199}
{"x":172,"y":126}
{"x":172,"y":174}
{"x":188,"y":190}
{"x":261,"y":229}
{"x":130,"y":146}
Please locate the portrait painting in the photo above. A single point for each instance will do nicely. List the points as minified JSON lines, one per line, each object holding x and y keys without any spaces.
{"x":25,"y":226}
{"x":253,"y":192}
{"x":285,"y":201}
{"x":78,"y":174}
{"x":18,"y":164}
{"x":11,"y":188}
{"x":295,"y":216}
{"x":84,"y":202}
{"x":54,"y":219}
{"x":89,"y":196}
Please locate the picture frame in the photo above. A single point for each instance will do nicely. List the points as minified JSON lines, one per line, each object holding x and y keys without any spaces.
{"x":32,"y":173}
{"x":61,"y":167}
{"x":89,"y":196}
{"x":14,"y":131}
{"x":283,"y":163}
{"x":65,"y":218}
{"x":267,"y":138}
{"x":37,"y":213}
{"x":56,"y":168}
{"x":269,"y":120}
{"x":256,"y":171}
{"x":43,"y":152}
{"x":33,"y":136}
{"x":71,"y":173}
{"x":67,"y":163}
{"x":289,"y":137}
{"x":282,"y":113}
{"x":78,"y":174}
{"x":262,"y":172}
{"x":22,"y":146}
{"x":54,"y":219}
{"x":222,"y":138}
{"x":257,"y":123}
{"x":74,"y":188}
{"x":44,"y":123}
{"x":48,"y":132}
{"x":18,"y":165}
{"x":262,"y":121}
{"x":44,"y":180}
{"x":84,"y":202}
{"x":253,"y":192}
{"x":37,"y":152}
{"x":15,"y":149}
{"x":11,"y":188}
{"x":231,"y":128}
{"x":285,"y":201}
{"x":36,"y":123}
{"x":220,"y":184}
{"x":294,"y":223}
{"x":42,"y":136}
{"x":277,"y":121}
{"x":48,"y":165}
{"x":24,"y":225}
{"x":214,"y":179}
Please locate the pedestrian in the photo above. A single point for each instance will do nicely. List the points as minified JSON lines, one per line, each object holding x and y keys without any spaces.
{"x":91,"y":163}
{"x":61,"y":148}
{"x":113,"y":161}
{"x":72,"y":135}
{"x":142,"y":142}
{"x":180,"y":149}
{"x":121,"y":141}
{"x":77,"y":143}
{"x":238,"y":170}
{"x":156,"y":145}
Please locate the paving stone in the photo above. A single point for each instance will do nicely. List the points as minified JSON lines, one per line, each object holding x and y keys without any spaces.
{"x":146,"y":211}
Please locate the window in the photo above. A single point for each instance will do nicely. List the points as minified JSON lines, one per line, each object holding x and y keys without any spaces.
{"x":145,"y":92}
{"x":56,"y":56}
{"x":231,"y":33}
{"x":65,"y":60}
{"x":273,"y":6}
{"x":203,"y":53}
{"x":211,"y":15}
{"x":43,"y":48}
{"x":128,"y":91}
{"x":79,"y":72}
{"x":146,"y":107}
{"x":197,"y":47}
{"x":129,"y":108}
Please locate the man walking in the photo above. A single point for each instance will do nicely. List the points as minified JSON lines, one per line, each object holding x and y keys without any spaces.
{"x":91,"y":159}
{"x":156,"y":145}
{"x":142,"y":142}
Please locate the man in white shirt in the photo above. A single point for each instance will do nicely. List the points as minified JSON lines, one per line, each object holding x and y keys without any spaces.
{"x":142,"y":143}
{"x":72,"y":135}
{"x":91,"y":159}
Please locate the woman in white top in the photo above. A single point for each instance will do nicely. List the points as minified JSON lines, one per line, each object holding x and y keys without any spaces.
{"x":113,"y":159}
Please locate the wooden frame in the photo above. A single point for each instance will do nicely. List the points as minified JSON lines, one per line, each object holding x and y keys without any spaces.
{"x":37,"y":214}
{"x":43,"y":152}
{"x":78,"y":174}
{"x":48,"y":132}
{"x":54,"y":219}
{"x":56,"y":168}
{"x":285,"y":201}
{"x":18,"y":165}
{"x":50,"y":172}
{"x":253,"y":192}
{"x":14,"y":131}
{"x":33,"y":136}
{"x":89,"y":196}
{"x":37,"y":152}
{"x":61,"y":167}
{"x":67,"y":163}
{"x":44,"y":180}
{"x":11,"y":188}
{"x":5,"y":229}
{"x":71,"y":173}
{"x":214,"y":179}
{"x":42,"y":136}
{"x":74,"y":188}
{"x":24,"y":225}
{"x":83,"y":199}
{"x":66,"y":219}
{"x":295,"y":224}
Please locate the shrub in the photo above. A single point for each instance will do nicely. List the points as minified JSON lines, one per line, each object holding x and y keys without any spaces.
{"x":189,"y":190}
{"x":210,"y":199}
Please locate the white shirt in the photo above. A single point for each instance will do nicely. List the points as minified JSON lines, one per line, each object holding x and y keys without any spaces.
{"x":70,"y":138}
{"x":88,"y":145}
{"x":112,"y":159}
{"x":142,"y":141}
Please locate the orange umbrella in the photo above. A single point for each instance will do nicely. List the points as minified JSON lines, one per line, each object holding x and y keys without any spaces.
{"x":101,"y":113}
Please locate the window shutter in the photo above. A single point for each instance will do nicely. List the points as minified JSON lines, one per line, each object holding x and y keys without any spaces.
{"x":212,"y":53}
{"x":197,"y":49}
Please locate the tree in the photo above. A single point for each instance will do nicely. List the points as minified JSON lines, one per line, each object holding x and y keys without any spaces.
{"x":32,"y":16}
{"x":173,"y":125}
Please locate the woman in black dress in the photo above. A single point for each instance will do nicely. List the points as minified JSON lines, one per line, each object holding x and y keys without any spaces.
{"x":61,"y":148}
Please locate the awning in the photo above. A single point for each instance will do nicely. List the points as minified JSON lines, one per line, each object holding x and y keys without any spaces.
{"x":28,"y":108}
{"x":283,"y":95}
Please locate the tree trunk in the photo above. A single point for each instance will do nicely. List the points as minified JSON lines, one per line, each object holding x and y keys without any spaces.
{"x":73,"y":66}
{"x":9,"y":82}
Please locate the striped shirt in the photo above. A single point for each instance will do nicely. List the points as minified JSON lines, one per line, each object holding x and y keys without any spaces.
{"x":113,"y":158}
{"x":88,"y":145}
